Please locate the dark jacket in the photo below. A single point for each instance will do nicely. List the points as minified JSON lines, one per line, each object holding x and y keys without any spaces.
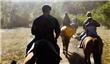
{"x":44,"y":27}
{"x":90,"y":22}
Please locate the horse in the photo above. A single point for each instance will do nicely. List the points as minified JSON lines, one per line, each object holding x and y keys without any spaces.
{"x":92,"y":46}
{"x":66,"y":33}
{"x":42,"y":52}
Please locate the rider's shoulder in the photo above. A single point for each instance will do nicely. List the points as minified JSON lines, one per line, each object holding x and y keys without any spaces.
{"x":88,"y":19}
{"x":52,"y":17}
{"x":38,"y":18}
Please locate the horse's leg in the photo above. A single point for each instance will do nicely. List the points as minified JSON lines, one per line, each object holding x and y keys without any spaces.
{"x":87,"y":58}
{"x":87,"y":53}
{"x":100,"y":44}
{"x":66,"y":48}
{"x":63,"y":42}
{"x":67,"y":44}
{"x":98,"y":48}
{"x":63,"y":47}
{"x":97,"y":56}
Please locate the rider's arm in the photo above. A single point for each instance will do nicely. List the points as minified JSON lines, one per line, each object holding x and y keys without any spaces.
{"x":34,"y":26}
{"x":84,"y":24}
{"x":57,"y":29}
{"x":28,"y":57}
{"x":33,"y":29}
{"x":96,"y":23}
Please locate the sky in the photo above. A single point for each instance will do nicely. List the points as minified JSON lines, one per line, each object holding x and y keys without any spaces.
{"x":49,"y":0}
{"x":35,"y":0}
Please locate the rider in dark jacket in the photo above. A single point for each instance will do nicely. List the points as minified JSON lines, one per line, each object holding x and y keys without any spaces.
{"x":44,"y":27}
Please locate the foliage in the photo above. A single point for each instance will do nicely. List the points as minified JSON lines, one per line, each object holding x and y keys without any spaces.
{"x":21,"y":14}
{"x":81,"y":19}
{"x":102,"y":14}
{"x":18,"y":14}
{"x":106,"y":13}
{"x":56,"y":14}
{"x":80,"y":7}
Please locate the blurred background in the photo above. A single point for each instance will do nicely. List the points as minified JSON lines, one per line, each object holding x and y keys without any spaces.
{"x":17,"y":16}
{"x":21,"y":13}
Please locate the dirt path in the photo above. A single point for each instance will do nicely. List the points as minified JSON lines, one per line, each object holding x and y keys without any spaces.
{"x":75,"y":56}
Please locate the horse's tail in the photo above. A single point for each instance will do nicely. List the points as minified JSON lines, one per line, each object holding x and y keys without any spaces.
{"x":98,"y":45}
{"x":95,"y":43}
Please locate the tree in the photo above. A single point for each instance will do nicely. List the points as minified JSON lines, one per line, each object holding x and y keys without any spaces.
{"x":106,"y":13}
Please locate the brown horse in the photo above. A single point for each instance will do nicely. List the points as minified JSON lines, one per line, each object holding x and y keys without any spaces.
{"x":92,"y":46}
{"x":67,"y":30}
{"x":66,"y":33}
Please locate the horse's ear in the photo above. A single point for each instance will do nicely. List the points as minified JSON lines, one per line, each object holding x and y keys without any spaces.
{"x":13,"y":62}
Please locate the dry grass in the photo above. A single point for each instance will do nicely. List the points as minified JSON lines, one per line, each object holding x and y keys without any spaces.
{"x":14,"y":42}
{"x":105,"y":35}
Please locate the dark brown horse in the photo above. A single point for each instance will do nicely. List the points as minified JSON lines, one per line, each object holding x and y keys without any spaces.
{"x":92,"y":46}
{"x":42,"y":52}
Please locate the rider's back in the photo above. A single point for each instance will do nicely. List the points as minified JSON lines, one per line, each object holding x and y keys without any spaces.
{"x":90,"y":26}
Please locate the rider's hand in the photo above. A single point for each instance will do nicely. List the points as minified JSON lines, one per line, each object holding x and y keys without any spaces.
{"x":74,"y":36}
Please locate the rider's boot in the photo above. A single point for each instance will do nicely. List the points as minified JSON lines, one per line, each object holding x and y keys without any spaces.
{"x":80,"y":45}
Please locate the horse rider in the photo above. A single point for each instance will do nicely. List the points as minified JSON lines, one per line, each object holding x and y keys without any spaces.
{"x":66,"y":20}
{"x":44,"y":27}
{"x":90,"y":27}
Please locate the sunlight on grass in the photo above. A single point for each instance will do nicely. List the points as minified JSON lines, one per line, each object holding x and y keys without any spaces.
{"x":0,"y":46}
{"x":14,"y":43}
{"x":105,"y":35}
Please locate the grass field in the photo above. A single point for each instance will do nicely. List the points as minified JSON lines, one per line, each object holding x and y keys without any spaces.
{"x":14,"y":41}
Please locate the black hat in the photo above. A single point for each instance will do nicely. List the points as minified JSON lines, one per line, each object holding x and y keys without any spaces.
{"x":46,"y":8}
